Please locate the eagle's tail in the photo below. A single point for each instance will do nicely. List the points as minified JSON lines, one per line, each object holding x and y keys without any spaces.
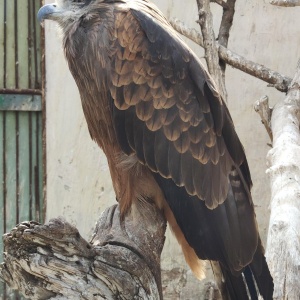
{"x":255,"y":280}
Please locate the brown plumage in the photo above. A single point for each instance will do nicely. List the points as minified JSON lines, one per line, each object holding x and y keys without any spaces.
{"x":166,"y":132}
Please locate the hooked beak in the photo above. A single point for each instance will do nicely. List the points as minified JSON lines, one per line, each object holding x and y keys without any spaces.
{"x":49,"y":11}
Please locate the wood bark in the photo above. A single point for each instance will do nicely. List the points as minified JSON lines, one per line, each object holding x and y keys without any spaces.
{"x":262,"y":108}
{"x":286,"y":3}
{"x":220,"y":2}
{"x":122,"y":261}
{"x":283,"y":244}
{"x":225,"y":26}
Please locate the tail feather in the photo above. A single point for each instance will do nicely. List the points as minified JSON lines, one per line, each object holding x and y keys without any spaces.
{"x":261,"y":273}
{"x":249,"y":280}
{"x":255,"y":280}
{"x":235,"y":286}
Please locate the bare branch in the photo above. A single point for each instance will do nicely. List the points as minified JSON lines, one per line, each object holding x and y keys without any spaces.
{"x":262,"y":108}
{"x":210,"y":46}
{"x":275,"y":79}
{"x":190,"y":33}
{"x":220,"y":2}
{"x":285,"y":3}
{"x":225,"y":26}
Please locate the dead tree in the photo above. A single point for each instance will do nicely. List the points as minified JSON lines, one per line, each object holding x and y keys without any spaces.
{"x":52,"y":261}
{"x":122,"y":261}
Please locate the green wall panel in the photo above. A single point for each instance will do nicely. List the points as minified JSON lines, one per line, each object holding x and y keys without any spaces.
{"x":40,"y":168}
{"x":10,"y":170}
{"x":20,"y":102}
{"x":1,"y":43}
{"x":22,"y":43}
{"x":2,"y":220}
{"x":21,"y":174}
{"x":24,"y":166}
{"x":21,"y":141}
{"x":20,"y":47}
{"x":10,"y":45}
{"x":33,"y":166}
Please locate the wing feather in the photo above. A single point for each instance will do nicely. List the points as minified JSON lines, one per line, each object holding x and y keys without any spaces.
{"x":166,"y":111}
{"x":185,"y":135}
{"x":161,"y":146}
{"x":148,"y":146}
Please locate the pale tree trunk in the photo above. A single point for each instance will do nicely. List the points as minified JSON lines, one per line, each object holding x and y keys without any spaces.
{"x":122,"y":261}
{"x":283,"y":245}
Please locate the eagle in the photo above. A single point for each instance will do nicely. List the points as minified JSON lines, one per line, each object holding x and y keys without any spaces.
{"x":166,"y":132}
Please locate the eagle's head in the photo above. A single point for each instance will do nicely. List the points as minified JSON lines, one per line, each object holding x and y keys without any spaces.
{"x":64,"y":11}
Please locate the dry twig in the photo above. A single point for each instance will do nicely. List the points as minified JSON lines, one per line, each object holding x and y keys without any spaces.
{"x":220,"y":2}
{"x":226,"y":24}
{"x":285,"y":3}
{"x":262,"y":108}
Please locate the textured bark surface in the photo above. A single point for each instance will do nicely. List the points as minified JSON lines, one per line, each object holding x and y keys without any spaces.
{"x":283,"y":246}
{"x":122,"y":261}
{"x":261,"y":106}
{"x":286,"y":3}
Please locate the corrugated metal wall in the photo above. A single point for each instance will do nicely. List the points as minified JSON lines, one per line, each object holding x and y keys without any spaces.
{"x":21,"y":146}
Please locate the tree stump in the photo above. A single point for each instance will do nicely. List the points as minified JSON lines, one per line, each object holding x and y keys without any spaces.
{"x":122,"y":261}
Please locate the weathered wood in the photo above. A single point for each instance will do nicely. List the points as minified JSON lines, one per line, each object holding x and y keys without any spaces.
{"x":261,"y":106}
{"x":20,"y":102}
{"x":220,"y":2}
{"x":1,"y":44}
{"x":22,"y":42}
{"x":10,"y":170}
{"x":283,"y":246}
{"x":23,"y":166}
{"x":2,"y":229}
{"x":10,"y":45}
{"x":37,"y":47}
{"x":40,"y":212}
{"x":225,"y":26}
{"x":286,"y":3}
{"x":122,"y":261}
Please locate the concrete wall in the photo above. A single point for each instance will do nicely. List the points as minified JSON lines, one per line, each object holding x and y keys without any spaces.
{"x":78,"y":181}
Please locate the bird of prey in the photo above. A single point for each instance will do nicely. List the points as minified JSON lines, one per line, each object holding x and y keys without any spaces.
{"x":167,"y":133}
